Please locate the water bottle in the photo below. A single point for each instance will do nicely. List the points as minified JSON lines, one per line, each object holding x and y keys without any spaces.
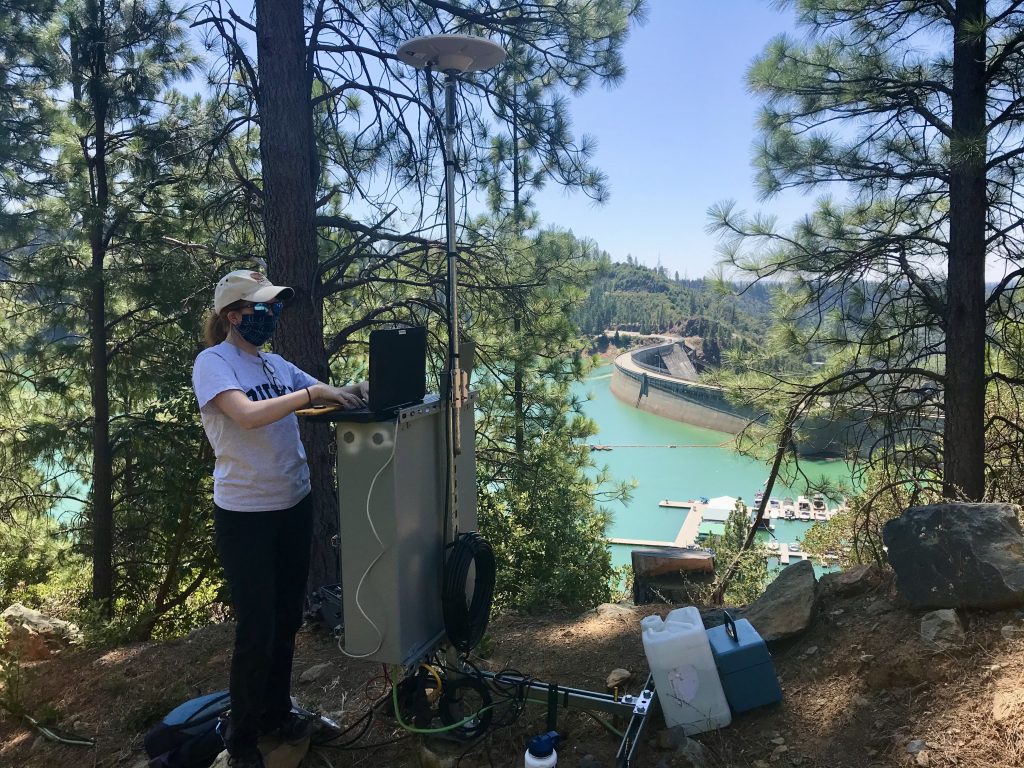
{"x":541,"y":752}
{"x":685,"y":676}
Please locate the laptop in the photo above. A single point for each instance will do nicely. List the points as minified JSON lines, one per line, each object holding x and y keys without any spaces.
{"x":398,"y":373}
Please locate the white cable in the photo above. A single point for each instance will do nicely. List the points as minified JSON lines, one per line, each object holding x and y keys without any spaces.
{"x":383,"y":550}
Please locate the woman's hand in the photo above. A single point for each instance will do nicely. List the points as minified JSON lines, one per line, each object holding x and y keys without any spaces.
{"x":360,"y":390}
{"x":344,"y":396}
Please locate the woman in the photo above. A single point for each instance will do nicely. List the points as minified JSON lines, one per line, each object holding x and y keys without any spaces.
{"x":261,"y":494}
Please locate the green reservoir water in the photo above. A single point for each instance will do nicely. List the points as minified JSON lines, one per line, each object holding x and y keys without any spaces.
{"x":679,"y":474}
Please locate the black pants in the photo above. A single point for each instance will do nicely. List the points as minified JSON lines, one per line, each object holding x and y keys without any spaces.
{"x":266,"y":560}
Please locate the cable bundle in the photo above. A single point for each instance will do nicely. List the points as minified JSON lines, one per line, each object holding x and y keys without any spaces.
{"x":466,"y":624}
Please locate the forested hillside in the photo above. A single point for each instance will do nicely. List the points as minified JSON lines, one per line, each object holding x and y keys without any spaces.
{"x":633,"y":297}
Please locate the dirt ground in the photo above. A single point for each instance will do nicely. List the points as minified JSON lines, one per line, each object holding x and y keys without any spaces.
{"x":860,"y":690}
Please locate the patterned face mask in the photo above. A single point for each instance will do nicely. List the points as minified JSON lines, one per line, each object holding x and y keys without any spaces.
{"x":258,"y":327}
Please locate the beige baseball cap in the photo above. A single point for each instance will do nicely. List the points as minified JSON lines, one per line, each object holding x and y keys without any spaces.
{"x":246,"y":285}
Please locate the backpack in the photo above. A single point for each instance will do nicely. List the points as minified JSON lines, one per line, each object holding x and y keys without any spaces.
{"x":188,"y":736}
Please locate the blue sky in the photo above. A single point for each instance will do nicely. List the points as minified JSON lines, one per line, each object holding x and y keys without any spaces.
{"x":676,"y":135}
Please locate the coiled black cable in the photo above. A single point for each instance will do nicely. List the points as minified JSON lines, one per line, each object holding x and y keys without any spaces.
{"x":465,"y":624}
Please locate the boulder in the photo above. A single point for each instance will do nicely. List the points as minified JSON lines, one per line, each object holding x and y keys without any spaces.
{"x":32,"y":635}
{"x":786,"y":609}
{"x":853,"y":581}
{"x":958,"y":556}
{"x":715,"y":617}
{"x":942,"y":629}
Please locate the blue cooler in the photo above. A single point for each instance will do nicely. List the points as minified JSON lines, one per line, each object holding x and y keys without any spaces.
{"x":744,"y":665}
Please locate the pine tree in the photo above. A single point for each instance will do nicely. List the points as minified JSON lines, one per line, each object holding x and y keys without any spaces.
{"x":369,"y":168}
{"x":913,"y":108}
{"x":99,"y":358}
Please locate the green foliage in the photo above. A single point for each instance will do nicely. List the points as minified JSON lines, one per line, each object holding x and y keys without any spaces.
{"x":636,"y":298}
{"x":859,"y":108}
{"x":855,"y":532}
{"x":751,"y":575}
{"x":539,"y":495}
{"x":124,"y":195}
{"x":141,"y":196}
{"x":39,"y":566}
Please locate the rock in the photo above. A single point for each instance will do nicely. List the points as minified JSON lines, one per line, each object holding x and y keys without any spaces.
{"x":942,"y":629}
{"x":778,"y":751}
{"x":281,"y":754}
{"x":221,"y":761}
{"x":715,"y":617}
{"x":1009,"y":631}
{"x":811,"y":650}
{"x":1007,"y":702}
{"x":614,"y":611}
{"x":32,"y":635}
{"x":878,"y":607}
{"x":315,"y":672}
{"x":853,"y":581}
{"x":867,"y":657}
{"x":691,"y":752}
{"x":958,"y":556}
{"x":617,"y":677}
{"x":670,"y":738}
{"x":861,"y":701}
{"x":786,"y":608}
{"x":428,"y":758}
{"x":760,"y":764}
{"x":915,"y":746}
{"x":778,"y":740}
{"x":922,"y":758}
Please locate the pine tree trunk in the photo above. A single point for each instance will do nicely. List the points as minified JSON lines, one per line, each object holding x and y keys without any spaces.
{"x":289,"y":161}
{"x":102,"y":472}
{"x":964,"y":438}
{"x":102,"y":458}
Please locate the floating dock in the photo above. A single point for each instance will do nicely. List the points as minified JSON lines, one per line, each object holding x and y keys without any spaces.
{"x":687,"y":536}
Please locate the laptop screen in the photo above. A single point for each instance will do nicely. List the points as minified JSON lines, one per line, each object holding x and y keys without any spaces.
{"x":398,"y":368}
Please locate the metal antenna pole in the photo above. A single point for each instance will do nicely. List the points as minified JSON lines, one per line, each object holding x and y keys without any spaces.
{"x":452,"y":55}
{"x":454,"y":374}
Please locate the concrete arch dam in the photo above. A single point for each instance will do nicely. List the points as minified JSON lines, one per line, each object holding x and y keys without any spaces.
{"x":662,"y":379}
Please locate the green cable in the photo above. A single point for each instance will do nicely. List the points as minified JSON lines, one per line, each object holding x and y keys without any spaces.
{"x":444,"y":729}
{"x":608,"y":726}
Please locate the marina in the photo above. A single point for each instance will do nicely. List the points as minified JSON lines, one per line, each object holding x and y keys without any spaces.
{"x":677,"y":469}
{"x":707,"y":516}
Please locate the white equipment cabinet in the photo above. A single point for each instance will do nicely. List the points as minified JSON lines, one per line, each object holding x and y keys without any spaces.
{"x":392,"y":478}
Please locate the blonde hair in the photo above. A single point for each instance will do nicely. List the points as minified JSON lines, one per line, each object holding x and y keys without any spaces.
{"x":216,"y":327}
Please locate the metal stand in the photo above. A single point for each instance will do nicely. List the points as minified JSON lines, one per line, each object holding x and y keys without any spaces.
{"x":553,"y":696}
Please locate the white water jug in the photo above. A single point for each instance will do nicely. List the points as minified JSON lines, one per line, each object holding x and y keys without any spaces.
{"x":685,"y":674}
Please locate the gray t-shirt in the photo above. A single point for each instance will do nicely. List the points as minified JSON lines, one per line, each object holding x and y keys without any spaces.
{"x":257,"y":469}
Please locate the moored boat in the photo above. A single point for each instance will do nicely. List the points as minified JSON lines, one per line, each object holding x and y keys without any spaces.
{"x":803,"y":508}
